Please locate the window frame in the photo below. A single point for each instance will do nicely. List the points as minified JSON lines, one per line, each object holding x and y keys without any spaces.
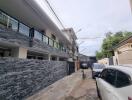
{"x":107,"y":72}
{"x":124,"y":74}
{"x":116,"y":72}
{"x":38,"y":35}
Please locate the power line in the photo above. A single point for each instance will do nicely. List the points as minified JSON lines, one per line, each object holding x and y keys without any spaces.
{"x":54,"y":13}
{"x":86,"y":38}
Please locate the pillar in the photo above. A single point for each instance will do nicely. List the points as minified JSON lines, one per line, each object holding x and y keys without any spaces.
{"x":49,"y":57}
{"x":19,"y":52}
{"x":57,"y":58}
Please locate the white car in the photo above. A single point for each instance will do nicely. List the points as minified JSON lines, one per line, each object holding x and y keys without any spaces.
{"x":115,"y":83}
{"x":97,"y":69}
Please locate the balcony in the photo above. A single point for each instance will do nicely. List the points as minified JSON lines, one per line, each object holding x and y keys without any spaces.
{"x":18,"y":33}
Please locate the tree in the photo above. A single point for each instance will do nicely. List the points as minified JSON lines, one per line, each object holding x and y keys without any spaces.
{"x":109,"y":42}
{"x":99,"y":55}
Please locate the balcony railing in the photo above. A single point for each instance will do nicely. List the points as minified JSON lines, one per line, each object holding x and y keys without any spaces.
{"x":3,"y":19}
{"x":15,"y":25}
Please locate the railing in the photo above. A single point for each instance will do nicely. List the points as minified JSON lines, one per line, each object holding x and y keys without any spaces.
{"x":52,"y":43}
{"x":5,"y":20}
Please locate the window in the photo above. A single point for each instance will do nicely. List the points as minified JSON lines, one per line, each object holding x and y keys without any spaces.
{"x":109,"y":75}
{"x":45,"y":39}
{"x":51,"y":42}
{"x":53,"y":37}
{"x":3,"y":19}
{"x":98,"y":66}
{"x":103,"y":74}
{"x":13,"y":24}
{"x":38,"y":35}
{"x":24,"y":29}
{"x":55,"y":44}
{"x":122,"y":79}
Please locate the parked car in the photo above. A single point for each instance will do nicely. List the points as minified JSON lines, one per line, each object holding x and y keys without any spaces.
{"x":84,"y":65}
{"x":115,"y":83}
{"x":97,"y":69}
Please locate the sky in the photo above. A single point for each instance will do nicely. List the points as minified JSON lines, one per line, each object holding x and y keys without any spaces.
{"x":95,"y":18}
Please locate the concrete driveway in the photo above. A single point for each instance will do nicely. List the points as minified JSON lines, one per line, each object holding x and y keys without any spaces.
{"x":72,"y":87}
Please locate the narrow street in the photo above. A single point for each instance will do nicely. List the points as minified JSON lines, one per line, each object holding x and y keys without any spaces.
{"x":69,"y":88}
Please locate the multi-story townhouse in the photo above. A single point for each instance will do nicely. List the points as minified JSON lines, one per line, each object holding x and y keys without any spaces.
{"x":28,"y":32}
{"x":73,"y":48}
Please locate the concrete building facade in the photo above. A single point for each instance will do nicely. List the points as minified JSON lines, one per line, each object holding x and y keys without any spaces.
{"x":73,"y":48}
{"x":123,"y":52}
{"x":30,"y":33}
{"x":33,"y":50}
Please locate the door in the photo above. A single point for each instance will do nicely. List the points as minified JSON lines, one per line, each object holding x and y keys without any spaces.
{"x":106,"y":83}
{"x":100,"y":83}
{"x":71,"y":67}
{"x":124,"y":86}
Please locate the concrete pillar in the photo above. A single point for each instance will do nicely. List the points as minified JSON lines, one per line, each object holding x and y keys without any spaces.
{"x":19,"y":52}
{"x":49,"y":57}
{"x":116,"y":57}
{"x":57,"y":58}
{"x":22,"y":53}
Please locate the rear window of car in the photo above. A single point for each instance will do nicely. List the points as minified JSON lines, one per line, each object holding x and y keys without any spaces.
{"x":122,"y":79}
{"x":98,"y":66}
{"x":116,"y":78}
{"x":109,"y":75}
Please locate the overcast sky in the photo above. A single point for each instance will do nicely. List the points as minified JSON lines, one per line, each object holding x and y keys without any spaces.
{"x":95,"y":18}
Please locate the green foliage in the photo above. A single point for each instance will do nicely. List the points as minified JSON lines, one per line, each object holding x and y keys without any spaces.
{"x":109,"y":42}
{"x":99,"y":55}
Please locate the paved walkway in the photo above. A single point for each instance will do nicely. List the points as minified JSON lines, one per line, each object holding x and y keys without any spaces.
{"x":69,"y":88}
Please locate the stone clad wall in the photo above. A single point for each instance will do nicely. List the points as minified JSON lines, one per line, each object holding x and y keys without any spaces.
{"x":20,"y":78}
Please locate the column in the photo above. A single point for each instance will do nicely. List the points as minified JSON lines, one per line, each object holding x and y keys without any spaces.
{"x":57,"y":58}
{"x":49,"y":57}
{"x":19,"y":52}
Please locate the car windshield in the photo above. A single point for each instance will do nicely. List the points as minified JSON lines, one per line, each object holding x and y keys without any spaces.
{"x":98,"y":66}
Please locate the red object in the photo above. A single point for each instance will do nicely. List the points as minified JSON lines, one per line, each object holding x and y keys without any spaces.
{"x":129,"y":98}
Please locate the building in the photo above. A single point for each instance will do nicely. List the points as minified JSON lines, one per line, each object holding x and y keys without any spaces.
{"x":104,"y":61}
{"x":27,"y":32}
{"x":87,"y":59}
{"x":123,"y":52}
{"x":33,"y":50}
{"x":83,"y":58}
{"x":73,"y":48}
